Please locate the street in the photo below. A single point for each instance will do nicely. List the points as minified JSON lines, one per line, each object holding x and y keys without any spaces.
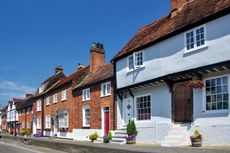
{"x":16,"y":147}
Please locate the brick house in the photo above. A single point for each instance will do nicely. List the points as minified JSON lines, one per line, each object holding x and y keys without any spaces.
{"x":59,"y":105}
{"x":38,"y":99}
{"x":4,"y":119}
{"x":94,"y":99}
{"x":25,"y":116}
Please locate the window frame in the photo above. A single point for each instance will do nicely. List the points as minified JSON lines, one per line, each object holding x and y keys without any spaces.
{"x":39,"y":106}
{"x":64,"y":92}
{"x":86,"y":91}
{"x":61,"y":120}
{"x":136,"y":111}
{"x":47,"y":100}
{"x":84,"y":117}
{"x":135,"y":67}
{"x":205,"y":111}
{"x":195,"y":40}
{"x":104,"y":86}
{"x":48,"y":121}
{"x":55,"y":98}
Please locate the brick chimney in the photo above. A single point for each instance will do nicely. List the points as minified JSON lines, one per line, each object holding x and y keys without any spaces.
{"x":58,"y":69}
{"x":97,"y":56}
{"x":177,"y":4}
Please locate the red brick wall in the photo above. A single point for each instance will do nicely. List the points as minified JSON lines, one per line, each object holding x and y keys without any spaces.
{"x":96,"y":103}
{"x":25,"y":118}
{"x":53,"y":108}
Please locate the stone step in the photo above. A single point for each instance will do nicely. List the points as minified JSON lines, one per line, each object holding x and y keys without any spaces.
{"x":172,"y":144}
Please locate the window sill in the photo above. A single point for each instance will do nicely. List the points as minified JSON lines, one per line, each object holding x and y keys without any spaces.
{"x":62,"y":100}
{"x":105,"y":95}
{"x":135,"y":69}
{"x":38,"y":110}
{"x":195,"y":49}
{"x":84,"y":100}
{"x":216,"y":111}
{"x":54,"y":102}
{"x":66,"y":127}
{"x":47,"y":104}
{"x":86,"y":127}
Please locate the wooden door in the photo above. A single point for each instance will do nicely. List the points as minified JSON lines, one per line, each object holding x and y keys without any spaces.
{"x":106,"y":123}
{"x":182,"y":102}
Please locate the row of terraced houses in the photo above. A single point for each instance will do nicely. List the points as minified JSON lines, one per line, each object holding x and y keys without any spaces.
{"x":171,"y":78}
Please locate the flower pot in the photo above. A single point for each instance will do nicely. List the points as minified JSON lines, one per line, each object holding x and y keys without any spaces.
{"x":196,"y":142}
{"x":130,"y":141}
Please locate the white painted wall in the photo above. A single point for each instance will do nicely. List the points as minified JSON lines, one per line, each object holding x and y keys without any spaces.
{"x":168,"y":56}
{"x":83,"y":134}
{"x":67,"y":135}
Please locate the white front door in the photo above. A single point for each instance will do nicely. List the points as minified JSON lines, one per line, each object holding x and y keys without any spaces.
{"x":34,"y":126}
{"x":127,"y":110}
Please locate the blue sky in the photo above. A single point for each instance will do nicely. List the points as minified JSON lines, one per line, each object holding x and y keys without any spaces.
{"x":37,"y":36}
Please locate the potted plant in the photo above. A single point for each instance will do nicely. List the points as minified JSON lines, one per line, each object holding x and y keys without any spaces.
{"x":110,"y":135}
{"x":196,"y":84}
{"x":132,"y":132}
{"x":196,"y":139}
{"x":93,"y":136}
{"x":106,"y":139}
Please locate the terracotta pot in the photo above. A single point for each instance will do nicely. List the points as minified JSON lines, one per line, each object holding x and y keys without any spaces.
{"x":196,"y":142}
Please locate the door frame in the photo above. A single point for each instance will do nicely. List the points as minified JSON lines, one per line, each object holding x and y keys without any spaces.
{"x":173,"y":101}
{"x":103,"y":110}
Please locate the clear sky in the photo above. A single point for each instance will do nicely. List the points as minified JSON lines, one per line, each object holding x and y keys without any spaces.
{"x":38,"y":35}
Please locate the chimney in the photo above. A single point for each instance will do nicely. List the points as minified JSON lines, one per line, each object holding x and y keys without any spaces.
{"x":28,"y":95}
{"x":97,"y":56}
{"x":58,"y":69}
{"x":177,"y":4}
{"x":80,"y":67}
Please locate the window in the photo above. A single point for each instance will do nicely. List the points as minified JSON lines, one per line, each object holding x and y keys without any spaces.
{"x":28,"y":125}
{"x":216,"y":93}
{"x":38,"y":105}
{"x":38,"y":123}
{"x":143,"y":107}
{"x":48,"y":121}
{"x":63,"y":95}
{"x":41,"y":88}
{"x":23,"y":112}
{"x":63,"y":119}
{"x":23,"y":125}
{"x":48,"y":100}
{"x":105,"y":89}
{"x":55,"y":98}
{"x":135,"y":60}
{"x":195,"y":38}
{"x":86,"y":116}
{"x":86,"y":94}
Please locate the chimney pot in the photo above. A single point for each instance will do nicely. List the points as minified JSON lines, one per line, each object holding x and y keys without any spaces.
{"x":80,"y":66}
{"x":58,"y":69}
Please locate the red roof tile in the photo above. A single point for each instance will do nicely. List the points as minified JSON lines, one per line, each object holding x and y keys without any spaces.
{"x":190,"y":14}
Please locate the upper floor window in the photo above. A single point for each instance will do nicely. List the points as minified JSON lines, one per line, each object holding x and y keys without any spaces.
{"x":86,"y":94}
{"x":143,"y":107}
{"x":55,"y":98}
{"x":217,"y":94}
{"x":38,"y":105}
{"x":135,"y":60}
{"x":41,"y":88}
{"x":48,"y":100}
{"x":64,"y":95}
{"x":63,"y":119}
{"x":105,"y":89}
{"x":195,"y":38}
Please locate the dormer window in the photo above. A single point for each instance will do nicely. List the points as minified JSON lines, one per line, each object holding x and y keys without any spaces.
{"x":195,"y":39}
{"x":135,"y":61}
{"x":41,"y":88}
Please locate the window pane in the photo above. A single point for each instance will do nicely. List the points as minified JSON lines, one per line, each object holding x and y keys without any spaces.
{"x":144,"y":107}
{"x":131,"y":64}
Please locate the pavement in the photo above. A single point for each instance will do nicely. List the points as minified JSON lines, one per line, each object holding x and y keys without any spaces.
{"x":8,"y":146}
{"x":114,"y":148}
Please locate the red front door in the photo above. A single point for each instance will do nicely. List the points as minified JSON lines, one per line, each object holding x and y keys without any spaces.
{"x":106,"y":123}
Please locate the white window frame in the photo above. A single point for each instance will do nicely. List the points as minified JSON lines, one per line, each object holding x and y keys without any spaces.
{"x":195,"y":40}
{"x":136,"y":111}
{"x":62,"y":119}
{"x":55,"y":98}
{"x":48,"y":121}
{"x":135,"y":66}
{"x":47,"y":100}
{"x":205,"y":111}
{"x":84,"y":117}
{"x":104,"y":86}
{"x":63,"y":95}
{"x":38,"y":122}
{"x":39,"y":103}
{"x":86,"y":94}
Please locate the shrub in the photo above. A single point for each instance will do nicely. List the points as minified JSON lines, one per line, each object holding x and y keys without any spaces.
{"x":196,"y":135}
{"x":93,"y":137}
{"x":110,"y":135}
{"x":131,"y":128}
{"x":106,"y":139}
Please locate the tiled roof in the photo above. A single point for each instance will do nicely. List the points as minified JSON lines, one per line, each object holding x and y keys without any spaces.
{"x":19,"y":102}
{"x":98,"y":75}
{"x":74,"y":78}
{"x":192,"y":13}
